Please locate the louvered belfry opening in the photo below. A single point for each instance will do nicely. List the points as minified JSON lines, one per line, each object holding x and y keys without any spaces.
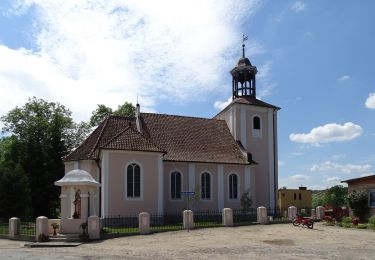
{"x":243,"y":77}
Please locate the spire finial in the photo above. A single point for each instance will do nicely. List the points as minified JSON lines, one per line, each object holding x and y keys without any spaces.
{"x":244,"y":38}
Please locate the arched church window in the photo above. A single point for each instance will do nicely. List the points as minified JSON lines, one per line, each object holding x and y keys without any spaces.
{"x":133,"y":178}
{"x":256,"y":122}
{"x":205,"y":186}
{"x":233,"y":186}
{"x":175,"y":185}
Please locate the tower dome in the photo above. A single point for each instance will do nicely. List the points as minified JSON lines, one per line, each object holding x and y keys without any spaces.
{"x":243,"y":77}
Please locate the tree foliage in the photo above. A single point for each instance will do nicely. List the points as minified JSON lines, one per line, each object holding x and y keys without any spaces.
{"x":102,"y":111}
{"x":246,"y":201}
{"x":358,"y":202}
{"x":334,"y":196}
{"x":42,"y":133}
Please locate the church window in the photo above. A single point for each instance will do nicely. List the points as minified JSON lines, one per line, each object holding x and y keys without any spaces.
{"x":233,"y":186}
{"x":205,"y":186}
{"x":133,"y":179}
{"x":176,"y":185}
{"x":256,"y":122}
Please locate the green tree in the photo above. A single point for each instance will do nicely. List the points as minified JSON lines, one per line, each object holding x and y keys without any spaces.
{"x":358,"y":202}
{"x":99,"y":114}
{"x":102,"y":111}
{"x":41,"y":133}
{"x":14,"y":193}
{"x":246,"y":201}
{"x":334,"y":196}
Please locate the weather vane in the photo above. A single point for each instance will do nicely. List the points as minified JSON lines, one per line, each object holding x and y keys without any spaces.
{"x":244,"y":38}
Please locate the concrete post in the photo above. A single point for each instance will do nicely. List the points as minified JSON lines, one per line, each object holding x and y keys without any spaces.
{"x":313,"y":214}
{"x":41,"y":228}
{"x":14,"y":223}
{"x":188,"y":219}
{"x":93,"y":227}
{"x":292,"y":212}
{"x":262,"y":215}
{"x":84,"y":206}
{"x":144,"y":223}
{"x":320,"y":212}
{"x":227,"y":217}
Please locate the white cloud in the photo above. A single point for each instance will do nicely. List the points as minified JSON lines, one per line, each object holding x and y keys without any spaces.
{"x":299,"y":178}
{"x":222,"y":104}
{"x":329,"y":166}
{"x":334,"y":179}
{"x":344,"y":78}
{"x":366,"y":174}
{"x":370,"y":101}
{"x":328,"y":133}
{"x":298,"y":6}
{"x":109,"y":51}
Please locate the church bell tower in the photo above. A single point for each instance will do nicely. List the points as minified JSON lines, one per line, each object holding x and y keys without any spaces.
{"x":253,"y":124}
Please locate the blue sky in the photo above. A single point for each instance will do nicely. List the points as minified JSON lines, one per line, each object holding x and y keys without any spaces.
{"x":315,"y":61}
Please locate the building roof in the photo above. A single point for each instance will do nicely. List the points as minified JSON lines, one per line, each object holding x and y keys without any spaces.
{"x":77,"y":177}
{"x":370,"y":177}
{"x":179,"y":138}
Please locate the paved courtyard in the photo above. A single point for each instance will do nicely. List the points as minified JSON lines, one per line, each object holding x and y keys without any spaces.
{"x":282,"y":241}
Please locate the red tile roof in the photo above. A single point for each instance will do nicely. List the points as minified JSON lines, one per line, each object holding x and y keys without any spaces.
{"x":186,"y":139}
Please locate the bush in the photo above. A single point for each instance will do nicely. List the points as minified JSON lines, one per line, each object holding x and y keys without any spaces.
{"x":371,"y":221}
{"x":361,"y":226}
{"x":347,"y":220}
{"x":357,"y":201}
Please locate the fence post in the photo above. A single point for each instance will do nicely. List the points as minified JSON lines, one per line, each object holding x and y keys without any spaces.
{"x":313,"y":214}
{"x":320,"y":212}
{"x":227,"y":217}
{"x":14,"y":223}
{"x":144,"y":223}
{"x":93,"y":227}
{"x":262,"y":215}
{"x":292,"y":212}
{"x":188,"y":219}
{"x":41,"y":233}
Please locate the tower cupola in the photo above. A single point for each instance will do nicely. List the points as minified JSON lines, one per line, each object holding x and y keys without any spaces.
{"x":243,"y":76}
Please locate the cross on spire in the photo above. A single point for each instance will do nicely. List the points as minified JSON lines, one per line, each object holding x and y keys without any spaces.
{"x":244,"y":38}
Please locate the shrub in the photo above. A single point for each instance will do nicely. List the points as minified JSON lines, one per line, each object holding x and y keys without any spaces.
{"x":357,"y":201}
{"x":361,"y":226}
{"x":371,"y":221}
{"x":347,"y":220}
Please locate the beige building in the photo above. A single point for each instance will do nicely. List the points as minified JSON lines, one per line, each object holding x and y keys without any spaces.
{"x":300,"y":198}
{"x":143,"y":163}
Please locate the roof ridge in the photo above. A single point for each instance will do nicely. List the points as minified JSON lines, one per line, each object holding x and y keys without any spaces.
{"x":100,"y":136}
{"x":194,"y":117}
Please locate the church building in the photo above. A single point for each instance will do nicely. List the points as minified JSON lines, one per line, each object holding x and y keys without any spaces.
{"x":146,"y":163}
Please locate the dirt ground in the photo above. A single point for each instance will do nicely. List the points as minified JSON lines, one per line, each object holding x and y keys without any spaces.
{"x":279,"y":241}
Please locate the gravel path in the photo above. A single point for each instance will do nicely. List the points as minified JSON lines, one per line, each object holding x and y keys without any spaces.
{"x":282,"y":241}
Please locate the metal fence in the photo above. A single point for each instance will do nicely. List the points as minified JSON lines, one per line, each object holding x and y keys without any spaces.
{"x":160,"y":222}
{"x":27,"y":226}
{"x":204,"y":219}
{"x":4,"y":226}
{"x":124,"y":225}
{"x":244,"y":217}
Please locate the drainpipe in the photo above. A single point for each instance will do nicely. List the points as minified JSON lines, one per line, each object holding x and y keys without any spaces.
{"x":100,"y":188}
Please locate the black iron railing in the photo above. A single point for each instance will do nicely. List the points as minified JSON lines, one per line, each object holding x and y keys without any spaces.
{"x":244,"y":217}
{"x":27,"y":226}
{"x":166,"y":222}
{"x":4,"y":226}
{"x":125,"y":225}
{"x":204,"y":219}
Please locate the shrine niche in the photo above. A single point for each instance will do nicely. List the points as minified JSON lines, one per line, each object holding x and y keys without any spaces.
{"x":78,"y":199}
